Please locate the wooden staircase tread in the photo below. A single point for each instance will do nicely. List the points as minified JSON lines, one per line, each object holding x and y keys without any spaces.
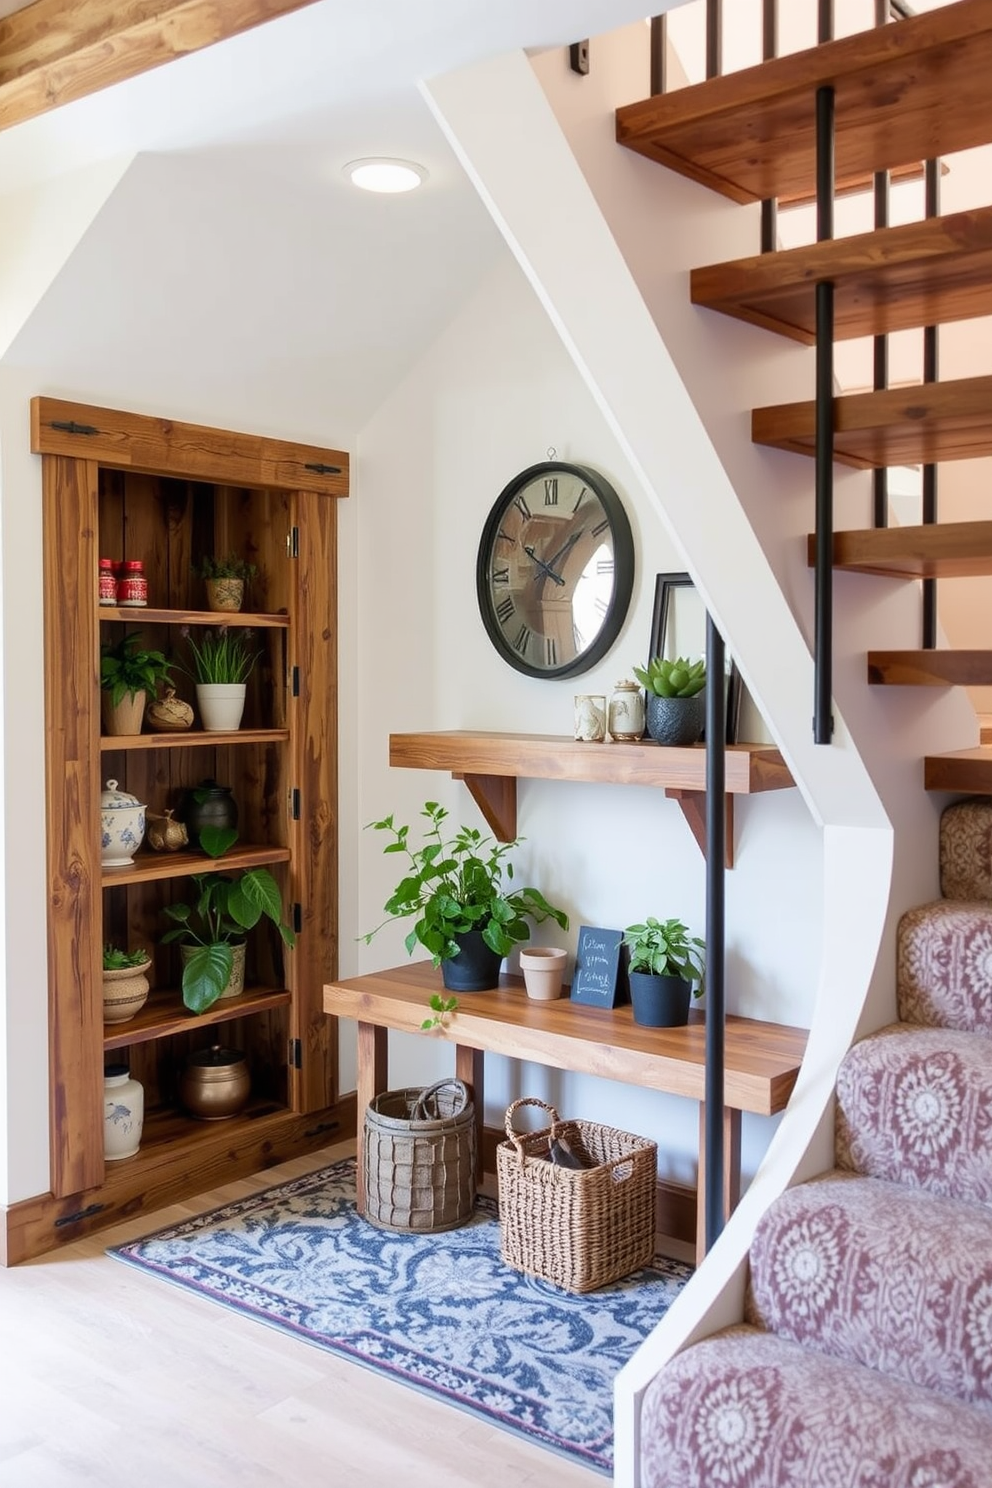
{"x":967,"y":770}
{"x":944,"y":550}
{"x":893,"y":279}
{"x":930,"y":668}
{"x":925,"y":423}
{"x":906,"y":91}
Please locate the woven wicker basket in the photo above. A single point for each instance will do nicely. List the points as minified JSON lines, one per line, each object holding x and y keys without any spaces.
{"x":420,"y":1149}
{"x":580,"y":1228}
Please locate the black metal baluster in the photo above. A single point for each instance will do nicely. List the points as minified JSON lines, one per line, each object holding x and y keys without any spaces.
{"x":929,"y":513}
{"x":823,"y":723}
{"x":659,"y":54}
{"x":716,"y":847}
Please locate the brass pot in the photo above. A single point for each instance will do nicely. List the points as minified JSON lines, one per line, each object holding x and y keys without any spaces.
{"x":215,"y":1083}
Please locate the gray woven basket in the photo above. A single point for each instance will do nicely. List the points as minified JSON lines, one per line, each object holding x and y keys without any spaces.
{"x":420,"y":1156}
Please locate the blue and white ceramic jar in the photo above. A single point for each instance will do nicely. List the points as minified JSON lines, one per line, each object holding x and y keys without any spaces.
{"x":122,"y":826}
{"x":123,"y":1112}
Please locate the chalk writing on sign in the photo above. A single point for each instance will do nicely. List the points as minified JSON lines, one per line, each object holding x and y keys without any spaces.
{"x":597,"y":959}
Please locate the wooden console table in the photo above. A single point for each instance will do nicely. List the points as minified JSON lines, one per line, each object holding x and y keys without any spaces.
{"x":762,"y":1059}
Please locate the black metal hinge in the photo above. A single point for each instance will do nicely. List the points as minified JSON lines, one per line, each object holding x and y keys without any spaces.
{"x":71,"y":428}
{"x":294,"y":681}
{"x":294,"y":803}
{"x":293,"y":543}
{"x":578,"y":57}
{"x":68,"y":1219}
{"x":295,"y":1054}
{"x":297,"y":917}
{"x":324,"y":469}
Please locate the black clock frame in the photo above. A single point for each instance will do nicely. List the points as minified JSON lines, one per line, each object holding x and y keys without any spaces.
{"x":623,"y":569}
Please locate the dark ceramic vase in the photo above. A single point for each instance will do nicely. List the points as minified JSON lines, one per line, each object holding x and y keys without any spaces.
{"x":475,"y":968}
{"x":659,"y":1001}
{"x":676,"y":720}
{"x":208,"y":805}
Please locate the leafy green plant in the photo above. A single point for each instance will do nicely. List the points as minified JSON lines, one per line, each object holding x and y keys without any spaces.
{"x":665,"y":948}
{"x":224,"y":655}
{"x":231,"y":566}
{"x":126,"y":669}
{"x":455,"y":884}
{"x":115,"y":959}
{"x":678,"y":678}
{"x":223,"y":910}
{"x":440,"y":1007}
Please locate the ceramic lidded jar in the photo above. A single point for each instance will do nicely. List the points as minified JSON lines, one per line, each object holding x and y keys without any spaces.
{"x":626,"y":715}
{"x":122,"y":826}
{"x":208,"y":805}
{"x":123,"y":1112}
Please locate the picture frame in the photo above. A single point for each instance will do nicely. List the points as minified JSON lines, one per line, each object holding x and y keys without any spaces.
{"x":678,"y":628}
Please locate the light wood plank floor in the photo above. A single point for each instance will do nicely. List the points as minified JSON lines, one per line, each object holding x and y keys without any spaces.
{"x":114,"y":1378}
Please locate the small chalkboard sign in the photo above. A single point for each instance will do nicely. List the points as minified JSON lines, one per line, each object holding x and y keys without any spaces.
{"x":597,"y":962}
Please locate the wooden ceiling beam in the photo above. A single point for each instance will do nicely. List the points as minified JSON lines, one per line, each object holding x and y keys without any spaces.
{"x":55,"y":51}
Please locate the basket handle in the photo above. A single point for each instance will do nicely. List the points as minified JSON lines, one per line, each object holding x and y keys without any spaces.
{"x":419,"y":1112}
{"x":527,"y":1100}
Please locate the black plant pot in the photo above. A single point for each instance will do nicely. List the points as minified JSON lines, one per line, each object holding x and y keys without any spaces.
{"x":676,"y":720}
{"x":659,"y":1001}
{"x":475,"y":968}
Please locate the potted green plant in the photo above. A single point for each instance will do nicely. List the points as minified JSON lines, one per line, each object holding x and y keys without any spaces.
{"x":454,"y":886}
{"x":125,"y":982}
{"x":213,"y":928}
{"x":225,"y":580}
{"x":676,"y":700}
{"x":665,"y":965}
{"x":128,"y":674}
{"x":221,"y":661}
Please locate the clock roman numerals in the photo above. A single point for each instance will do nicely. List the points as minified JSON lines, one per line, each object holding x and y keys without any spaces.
{"x":504,"y":610}
{"x":600,"y":527}
{"x":551,"y":491}
{"x":521,"y":504}
{"x":551,"y":652}
{"x":578,"y":501}
{"x":522,"y":639}
{"x":505,"y":537}
{"x":604,"y":565}
{"x":502,"y":575}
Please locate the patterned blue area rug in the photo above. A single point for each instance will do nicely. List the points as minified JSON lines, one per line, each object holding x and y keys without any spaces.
{"x":439,"y":1312}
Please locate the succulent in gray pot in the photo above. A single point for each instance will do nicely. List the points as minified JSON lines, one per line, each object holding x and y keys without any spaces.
{"x":466,"y":917}
{"x":676,"y":699}
{"x":665,"y":967}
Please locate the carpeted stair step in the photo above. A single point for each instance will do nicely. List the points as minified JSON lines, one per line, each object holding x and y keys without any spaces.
{"x":914,"y":1106}
{"x":944,"y":966}
{"x":747,"y":1409}
{"x":966,"y":850}
{"x":892,"y":1278}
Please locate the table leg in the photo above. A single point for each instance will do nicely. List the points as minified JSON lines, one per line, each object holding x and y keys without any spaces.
{"x":731,"y":1171}
{"x":470,"y":1066}
{"x":373,"y":1059}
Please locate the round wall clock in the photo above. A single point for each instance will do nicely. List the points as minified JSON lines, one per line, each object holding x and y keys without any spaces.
{"x":555,"y":570}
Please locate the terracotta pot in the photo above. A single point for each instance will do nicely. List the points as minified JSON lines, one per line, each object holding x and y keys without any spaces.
{"x":543,"y":968}
{"x":225,"y":594}
{"x":124,"y":717}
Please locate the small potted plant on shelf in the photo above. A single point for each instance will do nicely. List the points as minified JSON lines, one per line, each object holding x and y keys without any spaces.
{"x":226,"y":580}
{"x":665,"y":964}
{"x":129,"y":674}
{"x":676,"y":700}
{"x":125,"y":983}
{"x":466,"y":918}
{"x":213,"y":928}
{"x":221,"y":662}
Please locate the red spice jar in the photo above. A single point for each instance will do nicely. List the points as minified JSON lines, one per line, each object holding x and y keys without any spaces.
{"x":108,"y":584}
{"x":132,"y":586}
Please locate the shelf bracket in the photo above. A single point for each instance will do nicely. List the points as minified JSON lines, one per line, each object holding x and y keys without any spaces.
{"x":496,"y":798}
{"x":693,"y":804}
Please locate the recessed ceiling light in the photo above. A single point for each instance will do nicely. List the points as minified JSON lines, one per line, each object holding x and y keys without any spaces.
{"x":385,"y":175}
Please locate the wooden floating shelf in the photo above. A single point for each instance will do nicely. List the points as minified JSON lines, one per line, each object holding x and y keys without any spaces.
{"x":490,"y":765}
{"x":904,"y":92}
{"x":144,"y":613}
{"x":192,"y":739}
{"x":165,"y":1014}
{"x":923,"y":424}
{"x":148,"y":867}
{"x":945,"y":550}
{"x":967,"y":770}
{"x":930,"y":668}
{"x":923,"y":273}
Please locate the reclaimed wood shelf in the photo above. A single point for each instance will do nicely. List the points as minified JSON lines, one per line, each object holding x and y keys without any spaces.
{"x":894,"y":279}
{"x":931,"y":668}
{"x":944,"y":550}
{"x":918,"y":425}
{"x":904,"y":92}
{"x":967,"y":770}
{"x":165,"y":1014}
{"x":148,"y":867}
{"x":149,"y":616}
{"x":192,"y":739}
{"x":490,"y":765}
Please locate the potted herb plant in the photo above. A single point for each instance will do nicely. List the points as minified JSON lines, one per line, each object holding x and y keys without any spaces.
{"x":465,"y":916}
{"x":129,"y":673}
{"x":221,"y":662}
{"x":676,"y":700}
{"x":125,"y":983}
{"x":226,"y":580}
{"x":213,"y":928}
{"x":666,"y":968}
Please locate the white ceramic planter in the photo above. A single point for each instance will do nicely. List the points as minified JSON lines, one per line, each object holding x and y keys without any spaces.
{"x":221,"y":705}
{"x":543,"y":969}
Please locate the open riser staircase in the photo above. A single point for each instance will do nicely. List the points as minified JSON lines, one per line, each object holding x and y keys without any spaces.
{"x":865,"y":1356}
